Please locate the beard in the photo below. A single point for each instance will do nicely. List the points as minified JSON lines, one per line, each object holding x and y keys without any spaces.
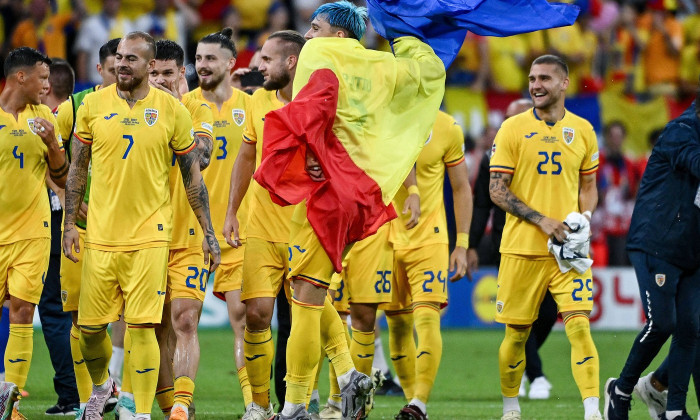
{"x":212,"y":83}
{"x":276,"y":83}
{"x":129,"y":85}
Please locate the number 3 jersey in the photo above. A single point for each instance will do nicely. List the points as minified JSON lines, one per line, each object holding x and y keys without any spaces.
{"x":131,"y":159}
{"x":546,"y":162}
{"x":229,"y":122}
{"x":25,"y":212}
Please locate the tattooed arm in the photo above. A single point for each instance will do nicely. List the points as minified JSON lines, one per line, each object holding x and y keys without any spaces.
{"x":198,"y":197}
{"x":75,"y":191}
{"x":204,"y":147}
{"x":503,"y":197}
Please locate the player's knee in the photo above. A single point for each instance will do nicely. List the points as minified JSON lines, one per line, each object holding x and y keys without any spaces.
{"x":363,"y":316}
{"x":257,"y":318}
{"x":576,"y":324}
{"x":185,"y":322}
{"x":21,"y":312}
{"x":517,"y":333}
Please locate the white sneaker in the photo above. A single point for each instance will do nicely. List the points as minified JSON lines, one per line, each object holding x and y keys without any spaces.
{"x":511,"y":415}
{"x":654,"y":400}
{"x":539,"y":389}
{"x":522,"y":393}
{"x":255,"y":412}
{"x":595,"y":416}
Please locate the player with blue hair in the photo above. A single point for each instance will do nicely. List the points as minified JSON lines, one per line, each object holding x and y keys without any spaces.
{"x":342,"y":19}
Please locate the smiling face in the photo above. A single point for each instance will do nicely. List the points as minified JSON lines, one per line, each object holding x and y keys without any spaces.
{"x":132,"y":63}
{"x":166,"y":73}
{"x":320,"y":28}
{"x":213,"y":63}
{"x":547,"y":85}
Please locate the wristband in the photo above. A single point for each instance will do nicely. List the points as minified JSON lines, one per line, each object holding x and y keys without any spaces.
{"x":463,"y":240}
{"x":588,"y":214}
{"x":413,"y":189}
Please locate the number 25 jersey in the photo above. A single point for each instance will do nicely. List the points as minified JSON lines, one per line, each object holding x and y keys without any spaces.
{"x":546,"y":162}
{"x":131,"y":158}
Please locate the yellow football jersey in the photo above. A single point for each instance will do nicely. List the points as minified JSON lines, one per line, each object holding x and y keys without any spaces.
{"x":546,"y":163}
{"x":131,"y":158}
{"x":187,"y":232}
{"x":445,"y":147}
{"x":228,"y":136}
{"x":266,"y":220}
{"x":25,"y":212}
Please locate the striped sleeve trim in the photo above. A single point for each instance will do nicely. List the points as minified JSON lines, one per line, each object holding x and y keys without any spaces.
{"x":203,"y":134}
{"x":455,"y":162}
{"x":82,"y":140}
{"x":248,"y":140}
{"x":504,"y":169}
{"x":186,"y":150}
{"x":588,"y":171}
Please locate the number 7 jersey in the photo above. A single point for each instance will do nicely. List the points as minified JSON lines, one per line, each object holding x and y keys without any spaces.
{"x":546,"y":162}
{"x":229,"y":122}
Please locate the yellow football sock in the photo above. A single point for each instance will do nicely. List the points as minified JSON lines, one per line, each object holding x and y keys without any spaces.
{"x":511,"y":359}
{"x":585,"y":365}
{"x":332,"y":377}
{"x":96,"y":347}
{"x":18,"y":353}
{"x":144,"y":366}
{"x":126,"y":368}
{"x":317,"y":371}
{"x":362,"y":350}
{"x":334,"y":336}
{"x":402,"y":349}
{"x":165,"y":397}
{"x":246,"y":389}
{"x":259,"y":351}
{"x":184,"y":390}
{"x":82,"y":376}
{"x":303,"y":350}
{"x":427,"y":321}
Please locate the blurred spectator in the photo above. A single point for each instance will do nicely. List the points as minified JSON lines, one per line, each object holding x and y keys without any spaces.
{"x":662,"y":40}
{"x":254,"y":13}
{"x":471,"y":67}
{"x":304,"y":9}
{"x":507,"y":60}
{"x":690,"y":54}
{"x":43,"y":30}
{"x":577,"y":46}
{"x":97,"y":30}
{"x":170,"y":19}
{"x":625,"y":50}
{"x":618,"y":181}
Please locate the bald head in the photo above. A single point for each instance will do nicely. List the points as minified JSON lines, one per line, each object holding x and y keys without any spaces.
{"x":518,"y":106}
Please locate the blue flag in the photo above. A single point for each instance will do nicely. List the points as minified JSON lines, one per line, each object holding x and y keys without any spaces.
{"x":443,"y":24}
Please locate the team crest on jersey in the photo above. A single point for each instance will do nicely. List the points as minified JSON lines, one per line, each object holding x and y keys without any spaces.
{"x":64,"y":296}
{"x":32,"y":127}
{"x":151,"y":116}
{"x":568,"y":134}
{"x":660,"y":279}
{"x":499,"y":306}
{"x":238,"y":116}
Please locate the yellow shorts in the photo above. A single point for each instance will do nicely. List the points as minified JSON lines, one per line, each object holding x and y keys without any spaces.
{"x":367,"y":269}
{"x":187,"y":274}
{"x":133,"y":280}
{"x":229,"y":276}
{"x":523,"y":282}
{"x":339,"y":292}
{"x":420,"y":275}
{"x":265,"y":268}
{"x":23,"y":265}
{"x":309,"y":261}
{"x":70,"y":277}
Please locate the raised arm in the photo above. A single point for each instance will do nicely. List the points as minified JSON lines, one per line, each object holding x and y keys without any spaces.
{"x":198,"y":198}
{"x":463,"y":206}
{"x":243,"y":169}
{"x":55,"y":156}
{"x":503,"y":197}
{"x":75,"y":192}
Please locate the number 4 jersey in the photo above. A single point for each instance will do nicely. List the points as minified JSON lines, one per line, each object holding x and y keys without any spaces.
{"x":131,"y":159}
{"x":546,"y":162}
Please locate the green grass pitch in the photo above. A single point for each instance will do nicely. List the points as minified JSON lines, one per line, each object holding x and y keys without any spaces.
{"x":467,"y":386}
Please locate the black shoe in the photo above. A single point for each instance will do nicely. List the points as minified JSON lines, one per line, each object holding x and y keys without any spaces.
{"x":411,"y":412}
{"x":389,"y":388}
{"x":684,"y":416}
{"x":63,"y":410}
{"x":617,"y":406}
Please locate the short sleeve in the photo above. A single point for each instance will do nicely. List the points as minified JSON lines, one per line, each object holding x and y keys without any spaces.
{"x":82,"y":123}
{"x":590,"y":162}
{"x":64,"y":120}
{"x":50,"y":118}
{"x":182,"y":141}
{"x":249,"y":134}
{"x":455,"y":145}
{"x":504,"y":157}
{"x":202,"y":120}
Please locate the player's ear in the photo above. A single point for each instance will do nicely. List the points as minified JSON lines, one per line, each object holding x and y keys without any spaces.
{"x":565,"y":82}
{"x":99,"y":68}
{"x":292,"y":61}
{"x":151,"y":64}
{"x":231,"y":63}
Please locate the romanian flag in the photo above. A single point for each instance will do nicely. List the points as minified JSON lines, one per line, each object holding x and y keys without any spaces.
{"x":443,"y":24}
{"x":365,"y":115}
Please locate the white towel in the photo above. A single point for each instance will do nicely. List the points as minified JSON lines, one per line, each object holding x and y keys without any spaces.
{"x":573,"y":253}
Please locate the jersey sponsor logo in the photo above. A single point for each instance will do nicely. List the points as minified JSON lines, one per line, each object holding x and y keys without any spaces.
{"x":32,"y":127}
{"x":208,"y":127}
{"x":110,"y":116}
{"x":529,"y":136}
{"x":2,"y":126}
{"x":568,"y":134}
{"x":238,"y":116}
{"x":160,"y":293}
{"x":660,"y":279}
{"x":549,"y":139}
{"x":595,"y":156}
{"x":150,"y":115}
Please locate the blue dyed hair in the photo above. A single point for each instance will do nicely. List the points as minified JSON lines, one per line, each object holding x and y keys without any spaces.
{"x":345,"y":15}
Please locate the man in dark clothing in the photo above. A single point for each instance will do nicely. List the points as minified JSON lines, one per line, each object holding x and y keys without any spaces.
{"x":665,"y":252}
